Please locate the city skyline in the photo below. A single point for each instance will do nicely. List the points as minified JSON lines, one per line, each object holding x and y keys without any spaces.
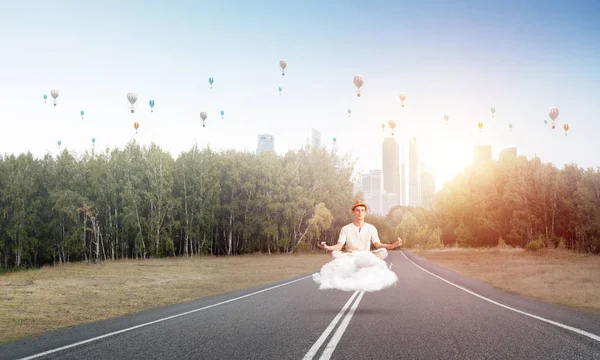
{"x":384,"y":188}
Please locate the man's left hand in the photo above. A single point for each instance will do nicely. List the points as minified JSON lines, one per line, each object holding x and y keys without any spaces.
{"x":398,"y":243}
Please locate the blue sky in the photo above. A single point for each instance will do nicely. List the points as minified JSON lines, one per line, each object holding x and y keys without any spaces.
{"x":456,"y":58}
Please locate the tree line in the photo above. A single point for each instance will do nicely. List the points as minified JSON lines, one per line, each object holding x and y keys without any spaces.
{"x":140,"y":202}
{"x":514,"y":201}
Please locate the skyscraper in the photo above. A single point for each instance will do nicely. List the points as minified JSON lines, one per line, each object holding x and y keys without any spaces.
{"x":372,"y":186}
{"x":403,"y":185}
{"x":481,"y":154}
{"x":390,"y":154}
{"x":403,"y":201}
{"x":508,"y":152}
{"x":376,"y":193}
{"x":414,"y":174}
{"x":315,"y":139}
{"x":266,"y":142}
{"x":366,"y":187}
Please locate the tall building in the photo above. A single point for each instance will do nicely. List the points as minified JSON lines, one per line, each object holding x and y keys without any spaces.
{"x":366,"y":187}
{"x":403,"y":185}
{"x":481,"y":154}
{"x":508,"y":152}
{"x":376,"y":191}
{"x":414,"y":174}
{"x":266,"y":142}
{"x":390,"y":155}
{"x":403,"y":182}
{"x":315,"y":139}
{"x":427,"y":187}
{"x":372,"y":184}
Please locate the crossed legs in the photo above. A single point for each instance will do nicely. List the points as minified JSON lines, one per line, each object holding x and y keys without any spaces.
{"x":381,"y":253}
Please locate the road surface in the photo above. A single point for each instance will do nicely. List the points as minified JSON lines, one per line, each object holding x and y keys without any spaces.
{"x":431,"y":313}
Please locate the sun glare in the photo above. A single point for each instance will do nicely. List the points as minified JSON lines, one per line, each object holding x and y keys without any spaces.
{"x":446,"y":156}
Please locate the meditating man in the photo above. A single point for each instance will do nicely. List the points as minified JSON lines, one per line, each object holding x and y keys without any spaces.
{"x":358,"y":236}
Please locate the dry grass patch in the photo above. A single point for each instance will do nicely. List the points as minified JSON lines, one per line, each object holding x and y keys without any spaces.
{"x":556,"y":276}
{"x":53,"y":297}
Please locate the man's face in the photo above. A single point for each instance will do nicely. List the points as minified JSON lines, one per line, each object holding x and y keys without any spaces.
{"x":359,"y":213}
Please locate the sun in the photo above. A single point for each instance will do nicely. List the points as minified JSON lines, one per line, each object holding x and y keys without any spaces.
{"x":447,"y":156}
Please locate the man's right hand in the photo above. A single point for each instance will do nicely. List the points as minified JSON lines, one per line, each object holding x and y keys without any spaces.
{"x":321,"y":244}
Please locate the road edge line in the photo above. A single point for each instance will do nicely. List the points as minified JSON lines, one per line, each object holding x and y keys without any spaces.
{"x":567,"y":327}
{"x":52,"y":351}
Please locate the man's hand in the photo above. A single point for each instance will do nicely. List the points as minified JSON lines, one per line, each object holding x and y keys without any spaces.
{"x":321,"y":244}
{"x":398,"y":243}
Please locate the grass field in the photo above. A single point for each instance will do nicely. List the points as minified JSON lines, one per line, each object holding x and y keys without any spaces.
{"x":34,"y":301}
{"x":556,"y":276}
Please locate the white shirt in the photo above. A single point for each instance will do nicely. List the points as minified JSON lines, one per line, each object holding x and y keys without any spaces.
{"x":356,"y":240}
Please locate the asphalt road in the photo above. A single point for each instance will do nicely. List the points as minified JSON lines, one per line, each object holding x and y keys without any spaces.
{"x":431,"y":313}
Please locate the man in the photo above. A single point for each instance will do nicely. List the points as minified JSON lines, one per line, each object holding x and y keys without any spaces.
{"x":358,"y":236}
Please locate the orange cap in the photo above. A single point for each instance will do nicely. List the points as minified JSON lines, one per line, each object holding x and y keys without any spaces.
{"x":359,"y":203}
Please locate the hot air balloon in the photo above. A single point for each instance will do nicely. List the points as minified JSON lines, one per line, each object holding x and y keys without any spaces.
{"x":45,"y":97}
{"x":280,"y":90}
{"x":151,"y":104}
{"x":545,"y":123}
{"x":222,"y":113}
{"x":81,"y":113}
{"x":392,"y":125}
{"x":54,"y":93}
{"x":132,"y":98}
{"x":136,"y":126}
{"x":59,"y":143}
{"x":334,"y":140}
{"x":493,"y":112}
{"x":203,"y":116}
{"x":93,"y":140}
{"x":446,"y":118}
{"x":211,"y":80}
{"x":358,"y":82}
{"x":382,"y":127}
{"x":566,"y":128}
{"x":402,"y":98}
{"x":510,"y":127}
{"x":553,"y":113}
{"x":349,"y":113}
{"x":282,"y":65}
{"x":480,"y":125}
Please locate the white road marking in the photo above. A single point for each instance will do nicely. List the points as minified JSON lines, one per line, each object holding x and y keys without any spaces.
{"x":313,"y":350}
{"x":157,"y":321}
{"x":340,"y":331}
{"x":567,"y":327}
